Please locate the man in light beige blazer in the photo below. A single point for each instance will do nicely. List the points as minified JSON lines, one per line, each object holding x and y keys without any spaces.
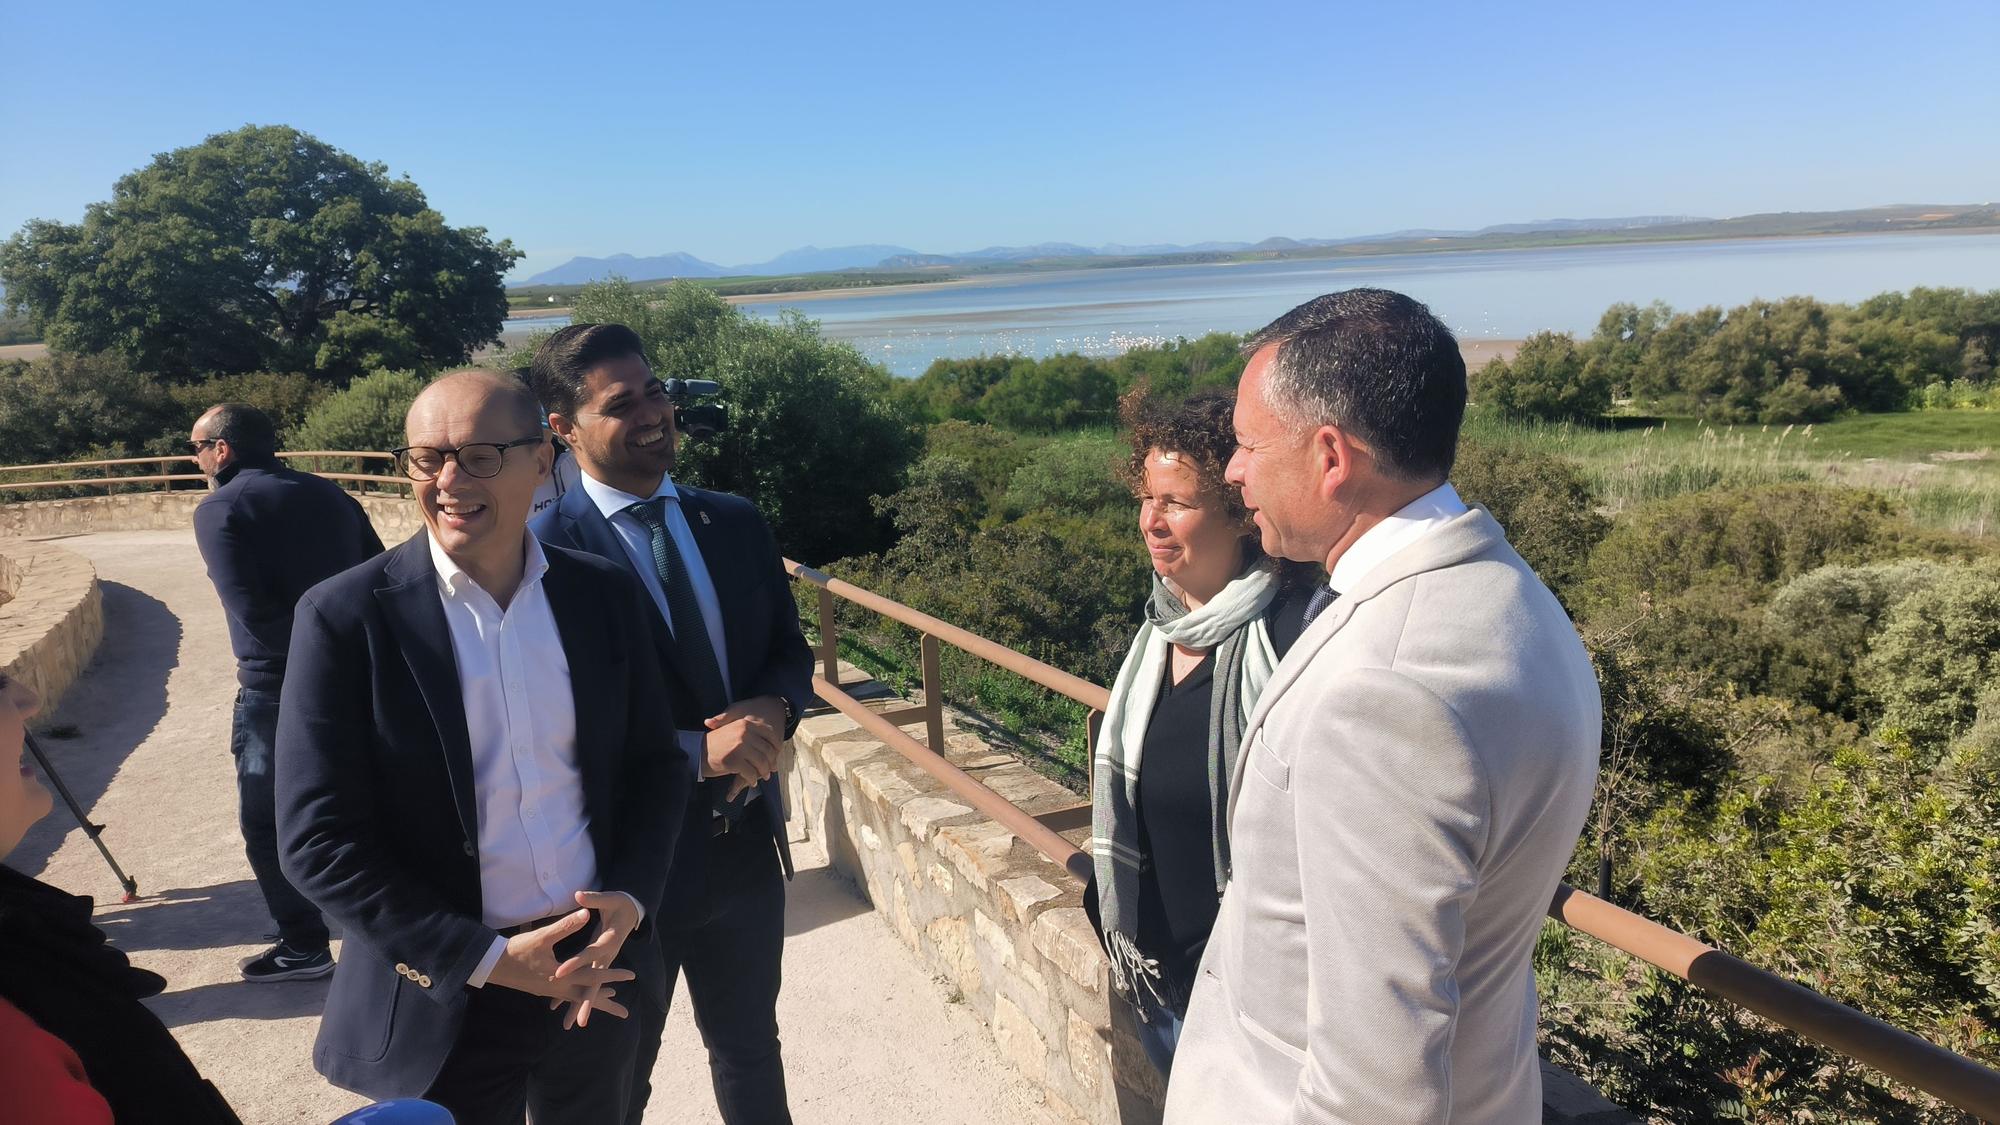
{"x":1414,"y":778}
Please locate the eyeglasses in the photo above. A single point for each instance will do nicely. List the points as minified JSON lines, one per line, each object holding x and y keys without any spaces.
{"x":199,"y":444}
{"x":478,"y":458}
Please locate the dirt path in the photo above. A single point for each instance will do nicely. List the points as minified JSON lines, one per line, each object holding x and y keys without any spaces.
{"x":868,"y":1036}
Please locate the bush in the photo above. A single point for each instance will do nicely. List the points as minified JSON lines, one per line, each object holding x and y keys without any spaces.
{"x":1548,"y":380}
{"x":1541,"y":501}
{"x":285,"y":397}
{"x":1938,"y":651}
{"x":1751,"y":537}
{"x":58,"y":406}
{"x":990,"y":454}
{"x":367,"y":415}
{"x":1827,"y":616}
{"x":1077,"y":476}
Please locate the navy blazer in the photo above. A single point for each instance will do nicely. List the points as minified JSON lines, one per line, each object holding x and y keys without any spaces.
{"x":377,"y":818}
{"x":268,"y":534}
{"x":760,"y":619}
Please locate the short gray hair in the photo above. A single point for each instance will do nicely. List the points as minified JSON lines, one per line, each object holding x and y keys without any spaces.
{"x":1376,"y":363}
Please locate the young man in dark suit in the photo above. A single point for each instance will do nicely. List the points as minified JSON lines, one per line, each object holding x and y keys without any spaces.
{"x":268,"y":534}
{"x":471,"y":782}
{"x":729,"y":627}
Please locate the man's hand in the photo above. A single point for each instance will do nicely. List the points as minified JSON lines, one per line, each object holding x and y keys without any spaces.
{"x":617,"y":917}
{"x":744,"y":741}
{"x":529,"y":964}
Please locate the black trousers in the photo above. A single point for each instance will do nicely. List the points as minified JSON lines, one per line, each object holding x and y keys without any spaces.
{"x":730,"y":946}
{"x":513,"y":1061}
{"x":253,"y":735}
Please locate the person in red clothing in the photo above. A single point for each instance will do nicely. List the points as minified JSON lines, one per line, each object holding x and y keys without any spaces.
{"x":44,"y":1080}
{"x":76,"y":1045}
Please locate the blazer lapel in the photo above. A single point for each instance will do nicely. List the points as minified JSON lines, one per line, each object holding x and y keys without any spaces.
{"x":725,"y":574}
{"x":593,"y":690}
{"x":1460,"y":539}
{"x":416,"y":617}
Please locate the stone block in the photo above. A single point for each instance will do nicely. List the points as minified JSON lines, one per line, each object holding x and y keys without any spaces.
{"x":1065,"y":937}
{"x":841,"y":757}
{"x":1020,"y":1042}
{"x":923,"y":814}
{"x":942,"y":879}
{"x":1089,"y":1054}
{"x":980,"y":851}
{"x":995,"y":936}
{"x":1023,"y":894}
{"x":952,"y":940}
{"x":869,"y":839}
{"x":881,"y":783}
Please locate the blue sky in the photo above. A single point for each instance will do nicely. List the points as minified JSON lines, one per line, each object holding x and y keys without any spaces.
{"x":735,"y":131}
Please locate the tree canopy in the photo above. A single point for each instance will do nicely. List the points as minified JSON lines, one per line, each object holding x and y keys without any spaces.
{"x":263,"y":249}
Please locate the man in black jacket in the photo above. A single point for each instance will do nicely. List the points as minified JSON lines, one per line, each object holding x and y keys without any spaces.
{"x":729,"y":629}
{"x":268,"y":534}
{"x":474,"y":764}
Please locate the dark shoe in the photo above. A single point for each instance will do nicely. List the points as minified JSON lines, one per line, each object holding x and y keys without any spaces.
{"x":282,"y":962}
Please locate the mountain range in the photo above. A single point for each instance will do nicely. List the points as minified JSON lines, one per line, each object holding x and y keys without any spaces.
{"x":814,"y":259}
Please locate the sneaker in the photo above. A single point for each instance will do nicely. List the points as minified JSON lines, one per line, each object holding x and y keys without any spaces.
{"x":282,"y":962}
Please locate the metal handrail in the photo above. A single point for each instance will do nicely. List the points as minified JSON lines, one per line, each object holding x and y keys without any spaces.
{"x":1902,"y":1056}
{"x":166,"y":480}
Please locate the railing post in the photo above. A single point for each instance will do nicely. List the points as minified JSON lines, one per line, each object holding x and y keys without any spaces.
{"x":933,"y":695}
{"x":829,"y":645}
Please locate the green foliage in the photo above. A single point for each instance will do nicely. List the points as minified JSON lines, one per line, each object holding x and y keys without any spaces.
{"x":286,"y":397}
{"x":366,"y":415}
{"x":989,"y":453}
{"x":63,"y":407}
{"x":1548,"y":379}
{"x":1937,"y":652}
{"x":1825,"y":617}
{"x":1750,"y":538}
{"x":813,"y":432}
{"x":1063,"y":392}
{"x":258,"y":250}
{"x":1542,"y":502}
{"x":1078,"y":476}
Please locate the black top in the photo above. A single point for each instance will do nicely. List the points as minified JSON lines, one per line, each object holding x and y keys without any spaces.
{"x":59,"y":970}
{"x":269,"y":534}
{"x":1177,"y":899}
{"x":1177,"y":896}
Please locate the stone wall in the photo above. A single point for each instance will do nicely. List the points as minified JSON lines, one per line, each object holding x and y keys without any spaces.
{"x":53,"y":620}
{"x":395,"y":518}
{"x":998,"y":923}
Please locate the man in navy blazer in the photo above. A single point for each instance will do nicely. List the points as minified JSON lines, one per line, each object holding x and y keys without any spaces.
{"x":729,"y":629}
{"x":268,"y":534}
{"x":469,"y":775}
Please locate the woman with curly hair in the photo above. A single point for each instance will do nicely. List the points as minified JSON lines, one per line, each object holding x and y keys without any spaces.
{"x":1220,"y":617}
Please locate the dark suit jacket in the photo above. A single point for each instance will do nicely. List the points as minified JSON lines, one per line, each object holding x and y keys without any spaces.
{"x":767,"y":653}
{"x":377,"y":819}
{"x":269,"y":534}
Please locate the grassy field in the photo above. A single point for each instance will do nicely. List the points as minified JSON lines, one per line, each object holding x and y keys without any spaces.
{"x":1942,"y":466}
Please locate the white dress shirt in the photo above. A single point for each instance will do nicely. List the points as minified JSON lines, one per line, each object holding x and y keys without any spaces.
{"x":1411,"y":522}
{"x":637,"y":540}
{"x":534,"y":834}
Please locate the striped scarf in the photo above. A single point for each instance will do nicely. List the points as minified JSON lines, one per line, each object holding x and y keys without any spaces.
{"x":1232,"y":624}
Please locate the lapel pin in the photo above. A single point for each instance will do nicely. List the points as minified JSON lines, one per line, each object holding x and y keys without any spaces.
{"x":704,"y":517}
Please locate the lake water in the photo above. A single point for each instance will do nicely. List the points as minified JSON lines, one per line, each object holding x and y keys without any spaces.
{"x":1502,"y":294}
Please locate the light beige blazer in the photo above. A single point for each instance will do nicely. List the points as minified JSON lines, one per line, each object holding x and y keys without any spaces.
{"x":1413,"y":782}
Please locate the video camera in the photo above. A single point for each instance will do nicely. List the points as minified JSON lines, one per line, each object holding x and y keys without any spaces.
{"x":698,"y":420}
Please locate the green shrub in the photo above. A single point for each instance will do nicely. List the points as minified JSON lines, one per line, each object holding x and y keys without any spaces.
{"x":1541,"y":501}
{"x":1937,"y":652}
{"x":990,"y":454}
{"x":1548,"y":380}
{"x":285,"y":397}
{"x":367,"y":415}
{"x":1077,"y":476}
{"x":1826,"y":617}
{"x":64,"y":407}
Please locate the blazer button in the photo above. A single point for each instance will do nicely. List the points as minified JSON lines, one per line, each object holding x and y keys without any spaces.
{"x":468,"y":847}
{"x":423,"y":980}
{"x":402,"y":969}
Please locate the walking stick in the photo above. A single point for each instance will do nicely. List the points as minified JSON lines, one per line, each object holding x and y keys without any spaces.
{"x":94,"y":831}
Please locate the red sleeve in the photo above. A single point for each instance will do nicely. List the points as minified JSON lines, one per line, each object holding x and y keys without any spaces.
{"x":43,"y":1078}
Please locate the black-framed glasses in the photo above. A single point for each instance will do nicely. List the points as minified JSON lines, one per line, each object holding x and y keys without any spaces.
{"x":199,"y":444}
{"x":476,"y":458}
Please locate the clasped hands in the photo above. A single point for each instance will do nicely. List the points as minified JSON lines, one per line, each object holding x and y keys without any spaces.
{"x":584,"y":981}
{"x":744,"y":741}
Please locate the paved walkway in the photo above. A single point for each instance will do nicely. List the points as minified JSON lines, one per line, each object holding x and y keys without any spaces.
{"x":143,"y":740}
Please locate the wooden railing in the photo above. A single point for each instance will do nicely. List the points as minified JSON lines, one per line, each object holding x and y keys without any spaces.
{"x":1897,"y":1053}
{"x":166,"y":480}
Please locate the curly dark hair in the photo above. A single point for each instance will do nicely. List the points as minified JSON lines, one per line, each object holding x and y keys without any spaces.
{"x":1198,"y":428}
